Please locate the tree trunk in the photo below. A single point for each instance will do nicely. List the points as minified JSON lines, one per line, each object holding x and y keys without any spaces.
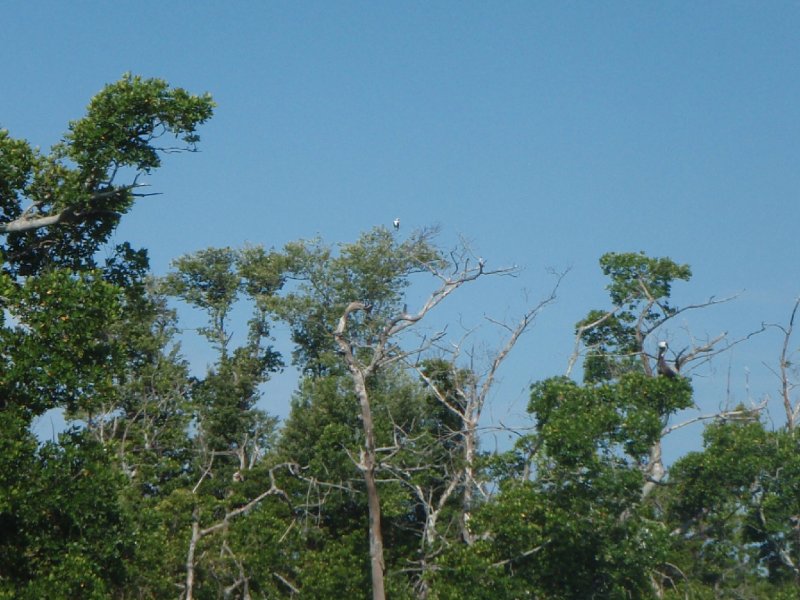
{"x":654,"y":471}
{"x":368,"y":460}
{"x":368,"y":464}
{"x":189,"y":586}
{"x":375,"y":536}
{"x":470,"y":438}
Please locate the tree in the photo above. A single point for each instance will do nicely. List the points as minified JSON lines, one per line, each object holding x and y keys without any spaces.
{"x":232,"y":435}
{"x":66,"y":533}
{"x":578,"y":489}
{"x":463,"y":393}
{"x":173,"y":482}
{"x":58,"y":208}
{"x":63,"y":329}
{"x":617,"y":341}
{"x":787,"y":369}
{"x":347,"y":313}
{"x":733,"y":508}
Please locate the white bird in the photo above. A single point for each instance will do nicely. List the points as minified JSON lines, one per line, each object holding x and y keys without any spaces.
{"x":396,"y":223}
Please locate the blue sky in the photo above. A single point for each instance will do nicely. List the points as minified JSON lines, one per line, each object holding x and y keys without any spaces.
{"x":546,"y":133}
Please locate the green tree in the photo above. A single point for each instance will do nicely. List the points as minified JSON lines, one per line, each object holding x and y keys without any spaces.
{"x":572,"y":517}
{"x":59,"y":208}
{"x":734,"y":508}
{"x":64,"y":333}
{"x":231,"y":435}
{"x":348,"y":317}
{"x":569,"y":521}
{"x":66,"y":533}
{"x":619,"y":340}
{"x":639,"y":290}
{"x":210,"y":280}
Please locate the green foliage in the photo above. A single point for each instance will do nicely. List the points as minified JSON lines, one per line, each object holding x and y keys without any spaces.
{"x":637,"y":277}
{"x":110,"y":508}
{"x":194,"y":447}
{"x":322,"y":425}
{"x":323,"y":433}
{"x":338,"y":568}
{"x":153,"y":406}
{"x":124,"y":120}
{"x":77,"y":181}
{"x":581,"y":505}
{"x":561,"y":538}
{"x":225,"y":399}
{"x":736,"y":505}
{"x":17,"y":161}
{"x":640,"y":289}
{"x":619,"y":419}
{"x":66,"y":535}
{"x":86,"y":338}
{"x":207,"y":280}
{"x":569,"y":521}
{"x":59,"y":351}
{"x":375,"y":269}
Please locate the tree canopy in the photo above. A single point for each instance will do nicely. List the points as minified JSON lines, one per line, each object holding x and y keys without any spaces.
{"x":170,"y":483}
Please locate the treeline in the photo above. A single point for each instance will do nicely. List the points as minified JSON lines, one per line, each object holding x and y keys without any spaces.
{"x":376,"y":485}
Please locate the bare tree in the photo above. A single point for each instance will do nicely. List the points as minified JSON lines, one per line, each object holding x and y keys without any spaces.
{"x":471,"y":391}
{"x":383,"y":350}
{"x":784,"y":373}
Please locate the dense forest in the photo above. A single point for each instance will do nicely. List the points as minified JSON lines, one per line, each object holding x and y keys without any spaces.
{"x":173,"y":485}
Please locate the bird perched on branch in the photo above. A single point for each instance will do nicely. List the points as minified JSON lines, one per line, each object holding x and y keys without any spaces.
{"x":396,"y":223}
{"x":661,"y":364}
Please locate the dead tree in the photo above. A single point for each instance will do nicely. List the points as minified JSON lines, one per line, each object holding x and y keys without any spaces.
{"x":471,"y":393}
{"x":784,"y":373}
{"x":382,"y":350}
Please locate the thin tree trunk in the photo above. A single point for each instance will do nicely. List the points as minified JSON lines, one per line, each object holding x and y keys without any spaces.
{"x":654,"y":471}
{"x":368,"y":464}
{"x":375,"y":536}
{"x":368,"y":460}
{"x":189,"y":589}
{"x":470,"y":435}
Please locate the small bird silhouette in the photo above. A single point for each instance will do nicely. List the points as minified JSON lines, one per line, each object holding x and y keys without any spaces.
{"x":396,"y":223}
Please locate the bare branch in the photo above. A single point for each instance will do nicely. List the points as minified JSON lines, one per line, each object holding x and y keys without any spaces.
{"x":206,"y":473}
{"x":792,"y":412}
{"x":527,"y":319}
{"x":706,"y":348}
{"x":285,"y":582}
{"x":672,"y":313}
{"x":448,"y":286}
{"x":579,"y":337}
{"x":28,"y":220}
{"x":707,"y":351}
{"x":440,"y":396}
{"x":745,"y":413}
{"x":522,"y":555}
{"x":272,"y":491}
{"x":198,"y":533}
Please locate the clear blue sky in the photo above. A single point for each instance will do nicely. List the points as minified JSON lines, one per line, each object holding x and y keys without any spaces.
{"x":545,"y":132}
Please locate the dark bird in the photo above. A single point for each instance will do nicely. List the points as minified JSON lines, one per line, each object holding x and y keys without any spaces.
{"x":661,"y":364}
{"x":396,"y":223}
